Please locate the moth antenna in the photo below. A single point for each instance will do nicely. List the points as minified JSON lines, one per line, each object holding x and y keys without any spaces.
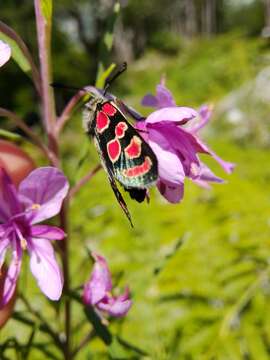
{"x":67,"y":87}
{"x":114,"y":75}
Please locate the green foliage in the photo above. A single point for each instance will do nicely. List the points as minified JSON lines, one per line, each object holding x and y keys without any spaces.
{"x":204,"y":71}
{"x":248,"y":16}
{"x":209,"y":297}
{"x":166,"y":42}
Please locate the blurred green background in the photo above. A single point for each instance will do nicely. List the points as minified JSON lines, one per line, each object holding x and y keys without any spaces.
{"x":199,"y":271}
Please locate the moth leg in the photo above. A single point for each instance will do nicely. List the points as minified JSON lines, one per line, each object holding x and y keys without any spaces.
{"x":119,"y":198}
{"x":107,"y":168}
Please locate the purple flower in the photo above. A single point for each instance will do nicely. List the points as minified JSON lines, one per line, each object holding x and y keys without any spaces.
{"x":177,"y":146}
{"x":5,"y":53}
{"x":97,"y":291}
{"x":39,"y":197}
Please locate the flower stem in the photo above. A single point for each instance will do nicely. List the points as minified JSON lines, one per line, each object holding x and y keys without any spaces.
{"x":65,"y":260}
{"x":64,"y":117}
{"x":43,"y":14}
{"x":83,"y":181}
{"x":44,"y":39}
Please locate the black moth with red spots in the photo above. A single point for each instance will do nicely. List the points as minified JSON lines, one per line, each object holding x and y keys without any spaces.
{"x":124,"y":154}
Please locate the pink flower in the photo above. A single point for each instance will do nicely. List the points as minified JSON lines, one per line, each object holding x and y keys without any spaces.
{"x":39,"y":197}
{"x":177,"y":146}
{"x":5,"y":53}
{"x":97,"y":291}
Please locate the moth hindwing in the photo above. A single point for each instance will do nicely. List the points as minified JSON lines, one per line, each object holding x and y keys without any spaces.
{"x":124,"y":154}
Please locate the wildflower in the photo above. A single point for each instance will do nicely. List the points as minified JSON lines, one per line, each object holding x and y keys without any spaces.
{"x":39,"y":197}
{"x":176,"y":144}
{"x":97,"y":291}
{"x":5,"y":53}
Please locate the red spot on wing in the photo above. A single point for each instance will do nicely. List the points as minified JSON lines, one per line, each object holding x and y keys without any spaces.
{"x":109,"y":109}
{"x":139,"y":170}
{"x":114,"y":149}
{"x":133,"y":150}
{"x":120,"y":129}
{"x":102,"y":121}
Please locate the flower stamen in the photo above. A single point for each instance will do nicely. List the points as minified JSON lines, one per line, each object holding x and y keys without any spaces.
{"x":23,"y":243}
{"x":35,"y":206}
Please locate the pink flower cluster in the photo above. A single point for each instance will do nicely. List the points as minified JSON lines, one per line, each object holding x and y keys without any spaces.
{"x":174,"y":139}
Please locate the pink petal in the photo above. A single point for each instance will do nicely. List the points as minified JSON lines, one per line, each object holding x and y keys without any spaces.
{"x":141,"y":127}
{"x":5,"y":52}
{"x":11,"y":278}
{"x":207,"y":175}
{"x":170,"y":167}
{"x":227,"y":166}
{"x":9,"y":202}
{"x":172,"y":114}
{"x":172,"y":193}
{"x":45,"y":268}
{"x":44,"y":189}
{"x":183,"y":144}
{"x":118,"y":306}
{"x":205,"y":113}
{"x":99,"y":283}
{"x":4,"y":242}
{"x":149,"y":101}
{"x":47,"y":232}
{"x":164,"y":97}
{"x":202,"y":183}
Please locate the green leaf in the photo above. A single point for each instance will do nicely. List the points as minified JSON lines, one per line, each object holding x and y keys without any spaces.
{"x":10,"y":135}
{"x":28,"y":346}
{"x":132,"y":347}
{"x":101,"y":330}
{"x":117,"y":351}
{"x":108,"y":36}
{"x":103,"y":75}
{"x":16,"y":52}
{"x":107,"y":41}
{"x":121,"y":349}
{"x":46,"y":9}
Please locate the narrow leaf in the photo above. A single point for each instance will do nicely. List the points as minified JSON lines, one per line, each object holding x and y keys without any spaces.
{"x":107,"y":41}
{"x":101,"y":330}
{"x":20,"y":53}
{"x":46,"y":9}
{"x":16,"y":53}
{"x":104,"y":75}
{"x":10,"y":135}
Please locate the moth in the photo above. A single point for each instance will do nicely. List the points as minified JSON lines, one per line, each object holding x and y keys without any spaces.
{"x":123,"y":152}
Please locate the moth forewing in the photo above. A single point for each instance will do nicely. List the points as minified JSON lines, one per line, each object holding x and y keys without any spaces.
{"x":123,"y":152}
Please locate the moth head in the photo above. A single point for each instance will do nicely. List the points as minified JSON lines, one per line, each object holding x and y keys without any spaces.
{"x":89,"y":112}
